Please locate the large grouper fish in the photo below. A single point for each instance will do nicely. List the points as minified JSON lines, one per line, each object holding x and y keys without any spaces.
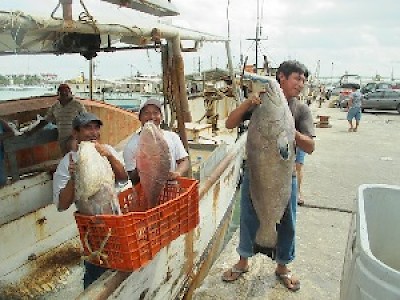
{"x":270,"y":158}
{"x":95,"y":182}
{"x":153,"y":163}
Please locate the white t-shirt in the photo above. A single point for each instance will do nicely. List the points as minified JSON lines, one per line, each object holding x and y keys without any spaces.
{"x":175,"y":146}
{"x":62,"y":176}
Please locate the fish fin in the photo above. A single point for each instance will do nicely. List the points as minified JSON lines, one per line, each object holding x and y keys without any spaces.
{"x":283,"y":146}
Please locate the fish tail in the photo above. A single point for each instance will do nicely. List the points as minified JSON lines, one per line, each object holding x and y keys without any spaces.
{"x":267,"y":237}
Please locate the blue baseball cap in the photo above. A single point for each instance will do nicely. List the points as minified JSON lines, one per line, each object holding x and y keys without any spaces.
{"x":85,"y":118}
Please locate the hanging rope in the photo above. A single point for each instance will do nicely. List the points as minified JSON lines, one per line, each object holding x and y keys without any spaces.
{"x":98,"y":254}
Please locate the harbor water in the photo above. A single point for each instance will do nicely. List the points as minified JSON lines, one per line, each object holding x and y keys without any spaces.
{"x":130,"y":101}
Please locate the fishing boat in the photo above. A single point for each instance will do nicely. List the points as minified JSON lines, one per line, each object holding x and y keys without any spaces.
{"x":39,"y":254}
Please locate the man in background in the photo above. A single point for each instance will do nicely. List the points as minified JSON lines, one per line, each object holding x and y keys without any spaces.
{"x":62,"y":113}
{"x":354,"y":109}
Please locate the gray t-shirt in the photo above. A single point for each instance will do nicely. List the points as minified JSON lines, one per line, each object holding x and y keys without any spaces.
{"x":303,"y":120}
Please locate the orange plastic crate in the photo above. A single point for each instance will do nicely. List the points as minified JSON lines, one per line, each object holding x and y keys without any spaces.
{"x":135,"y":237}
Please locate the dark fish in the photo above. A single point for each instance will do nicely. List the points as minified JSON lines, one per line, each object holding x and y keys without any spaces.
{"x":270,"y":152}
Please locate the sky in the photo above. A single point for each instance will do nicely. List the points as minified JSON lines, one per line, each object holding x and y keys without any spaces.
{"x":330,"y":37}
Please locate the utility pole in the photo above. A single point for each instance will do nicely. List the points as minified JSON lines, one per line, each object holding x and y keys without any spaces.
{"x":131,"y":66}
{"x":258,"y":34}
{"x":317,"y":70}
{"x":199,"y":63}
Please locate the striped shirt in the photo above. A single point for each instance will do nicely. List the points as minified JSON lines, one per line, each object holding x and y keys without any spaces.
{"x":62,"y":116}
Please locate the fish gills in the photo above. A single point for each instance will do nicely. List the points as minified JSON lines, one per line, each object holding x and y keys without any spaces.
{"x":270,"y":152}
{"x":153,"y":163}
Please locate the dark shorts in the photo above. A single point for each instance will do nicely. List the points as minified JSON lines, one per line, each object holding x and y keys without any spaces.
{"x":92,"y":273}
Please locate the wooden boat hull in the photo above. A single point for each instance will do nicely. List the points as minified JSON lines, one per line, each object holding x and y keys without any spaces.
{"x":175,"y":269}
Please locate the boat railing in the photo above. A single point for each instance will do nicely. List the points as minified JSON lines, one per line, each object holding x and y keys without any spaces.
{"x":31,"y":153}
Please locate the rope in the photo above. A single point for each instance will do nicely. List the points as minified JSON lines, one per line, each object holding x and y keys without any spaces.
{"x":54,"y":11}
{"x":98,"y":254}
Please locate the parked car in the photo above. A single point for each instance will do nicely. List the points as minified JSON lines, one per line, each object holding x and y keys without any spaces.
{"x":386,"y":99}
{"x":373,"y":86}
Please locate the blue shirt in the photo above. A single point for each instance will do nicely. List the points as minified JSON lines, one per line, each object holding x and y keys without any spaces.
{"x":356,"y":99}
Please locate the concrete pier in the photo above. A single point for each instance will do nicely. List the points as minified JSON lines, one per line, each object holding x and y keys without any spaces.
{"x":342,"y":161}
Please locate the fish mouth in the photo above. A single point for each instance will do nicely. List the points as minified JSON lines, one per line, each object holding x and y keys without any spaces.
{"x":270,"y":252}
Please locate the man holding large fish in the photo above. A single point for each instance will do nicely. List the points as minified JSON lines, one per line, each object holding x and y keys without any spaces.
{"x":269,"y":188}
{"x":153,"y":156}
{"x":85,"y":129}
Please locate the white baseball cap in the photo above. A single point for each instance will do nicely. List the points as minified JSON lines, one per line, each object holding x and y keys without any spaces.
{"x":150,"y":101}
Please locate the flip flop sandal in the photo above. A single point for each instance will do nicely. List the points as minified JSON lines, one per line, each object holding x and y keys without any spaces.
{"x":233,"y":274}
{"x":286,"y":279}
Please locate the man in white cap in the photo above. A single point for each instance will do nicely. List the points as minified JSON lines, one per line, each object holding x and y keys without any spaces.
{"x":151,"y":111}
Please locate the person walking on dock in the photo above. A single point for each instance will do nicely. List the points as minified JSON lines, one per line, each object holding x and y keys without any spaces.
{"x":354,"y":109}
{"x":291,"y":76}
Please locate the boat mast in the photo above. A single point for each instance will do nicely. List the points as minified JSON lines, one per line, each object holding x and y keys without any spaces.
{"x":258,"y":38}
{"x":257,"y":33}
{"x":67,"y":9}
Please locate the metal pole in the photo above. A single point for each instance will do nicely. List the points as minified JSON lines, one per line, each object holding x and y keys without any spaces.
{"x":257,"y":37}
{"x":91,"y":79}
{"x":231,"y":73}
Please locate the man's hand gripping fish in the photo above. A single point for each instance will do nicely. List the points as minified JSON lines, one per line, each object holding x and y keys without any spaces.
{"x":271,"y":154}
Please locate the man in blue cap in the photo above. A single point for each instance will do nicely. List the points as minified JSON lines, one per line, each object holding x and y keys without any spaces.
{"x":85,"y":127}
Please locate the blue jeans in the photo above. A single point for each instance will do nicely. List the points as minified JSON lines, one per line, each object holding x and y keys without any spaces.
{"x":285,"y":248}
{"x":3,"y":177}
{"x":92,"y":273}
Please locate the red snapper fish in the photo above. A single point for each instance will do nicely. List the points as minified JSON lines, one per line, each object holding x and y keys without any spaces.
{"x":153,"y":163}
{"x":270,"y":157}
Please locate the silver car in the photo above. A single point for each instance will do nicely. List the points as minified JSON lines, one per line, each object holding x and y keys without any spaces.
{"x":385,"y":99}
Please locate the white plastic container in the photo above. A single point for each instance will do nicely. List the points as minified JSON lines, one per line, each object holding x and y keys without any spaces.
{"x":371,"y":267}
